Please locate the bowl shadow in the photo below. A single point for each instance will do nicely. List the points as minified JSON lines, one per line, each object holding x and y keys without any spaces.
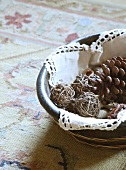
{"x":56,"y":149}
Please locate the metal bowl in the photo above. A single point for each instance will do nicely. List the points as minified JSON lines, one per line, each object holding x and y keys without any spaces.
{"x":98,"y":138}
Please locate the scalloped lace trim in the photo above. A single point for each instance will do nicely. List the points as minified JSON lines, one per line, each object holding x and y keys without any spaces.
{"x":106,"y":36}
{"x":71,"y":121}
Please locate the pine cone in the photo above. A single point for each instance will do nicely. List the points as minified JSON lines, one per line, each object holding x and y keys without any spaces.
{"x":111,"y":87}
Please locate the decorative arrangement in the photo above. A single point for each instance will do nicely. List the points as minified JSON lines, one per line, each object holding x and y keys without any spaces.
{"x":88,"y":82}
{"x":104,"y":87}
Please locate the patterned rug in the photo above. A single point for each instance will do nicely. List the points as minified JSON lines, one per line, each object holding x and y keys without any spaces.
{"x":29,"y":31}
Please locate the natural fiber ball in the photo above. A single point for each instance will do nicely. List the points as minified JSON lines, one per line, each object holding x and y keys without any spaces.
{"x":85,"y":82}
{"x":88,"y":104}
{"x":62,"y":94}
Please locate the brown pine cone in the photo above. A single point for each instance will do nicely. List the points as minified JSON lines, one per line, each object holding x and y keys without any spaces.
{"x":112,"y":84}
{"x":115,"y":110}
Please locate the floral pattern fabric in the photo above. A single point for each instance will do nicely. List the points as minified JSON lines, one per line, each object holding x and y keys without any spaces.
{"x":18,"y":19}
{"x":30,"y":31}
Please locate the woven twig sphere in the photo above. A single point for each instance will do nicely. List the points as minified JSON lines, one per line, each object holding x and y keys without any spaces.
{"x":88,"y":104}
{"x":62,"y":94}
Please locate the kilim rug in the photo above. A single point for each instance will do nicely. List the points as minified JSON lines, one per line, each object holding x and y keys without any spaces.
{"x":29,"y":31}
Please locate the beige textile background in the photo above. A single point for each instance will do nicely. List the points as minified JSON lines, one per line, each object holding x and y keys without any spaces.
{"x":29,"y":31}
